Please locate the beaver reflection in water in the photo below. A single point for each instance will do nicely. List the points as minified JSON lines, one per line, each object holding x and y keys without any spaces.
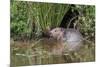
{"x":71,"y":38}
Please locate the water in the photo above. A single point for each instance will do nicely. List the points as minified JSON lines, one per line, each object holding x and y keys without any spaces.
{"x":45,"y":51}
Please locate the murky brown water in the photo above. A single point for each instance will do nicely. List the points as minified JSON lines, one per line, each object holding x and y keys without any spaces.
{"x":46,"y":51}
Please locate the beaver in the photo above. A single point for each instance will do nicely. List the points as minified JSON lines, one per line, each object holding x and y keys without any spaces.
{"x":71,"y":38}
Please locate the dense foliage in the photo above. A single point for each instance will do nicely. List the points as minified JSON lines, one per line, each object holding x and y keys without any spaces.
{"x":31,"y":19}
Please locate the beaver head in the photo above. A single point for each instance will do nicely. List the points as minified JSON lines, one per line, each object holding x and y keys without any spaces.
{"x":57,"y":33}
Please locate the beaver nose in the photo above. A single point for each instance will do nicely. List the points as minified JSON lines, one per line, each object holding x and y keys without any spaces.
{"x":50,"y":34}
